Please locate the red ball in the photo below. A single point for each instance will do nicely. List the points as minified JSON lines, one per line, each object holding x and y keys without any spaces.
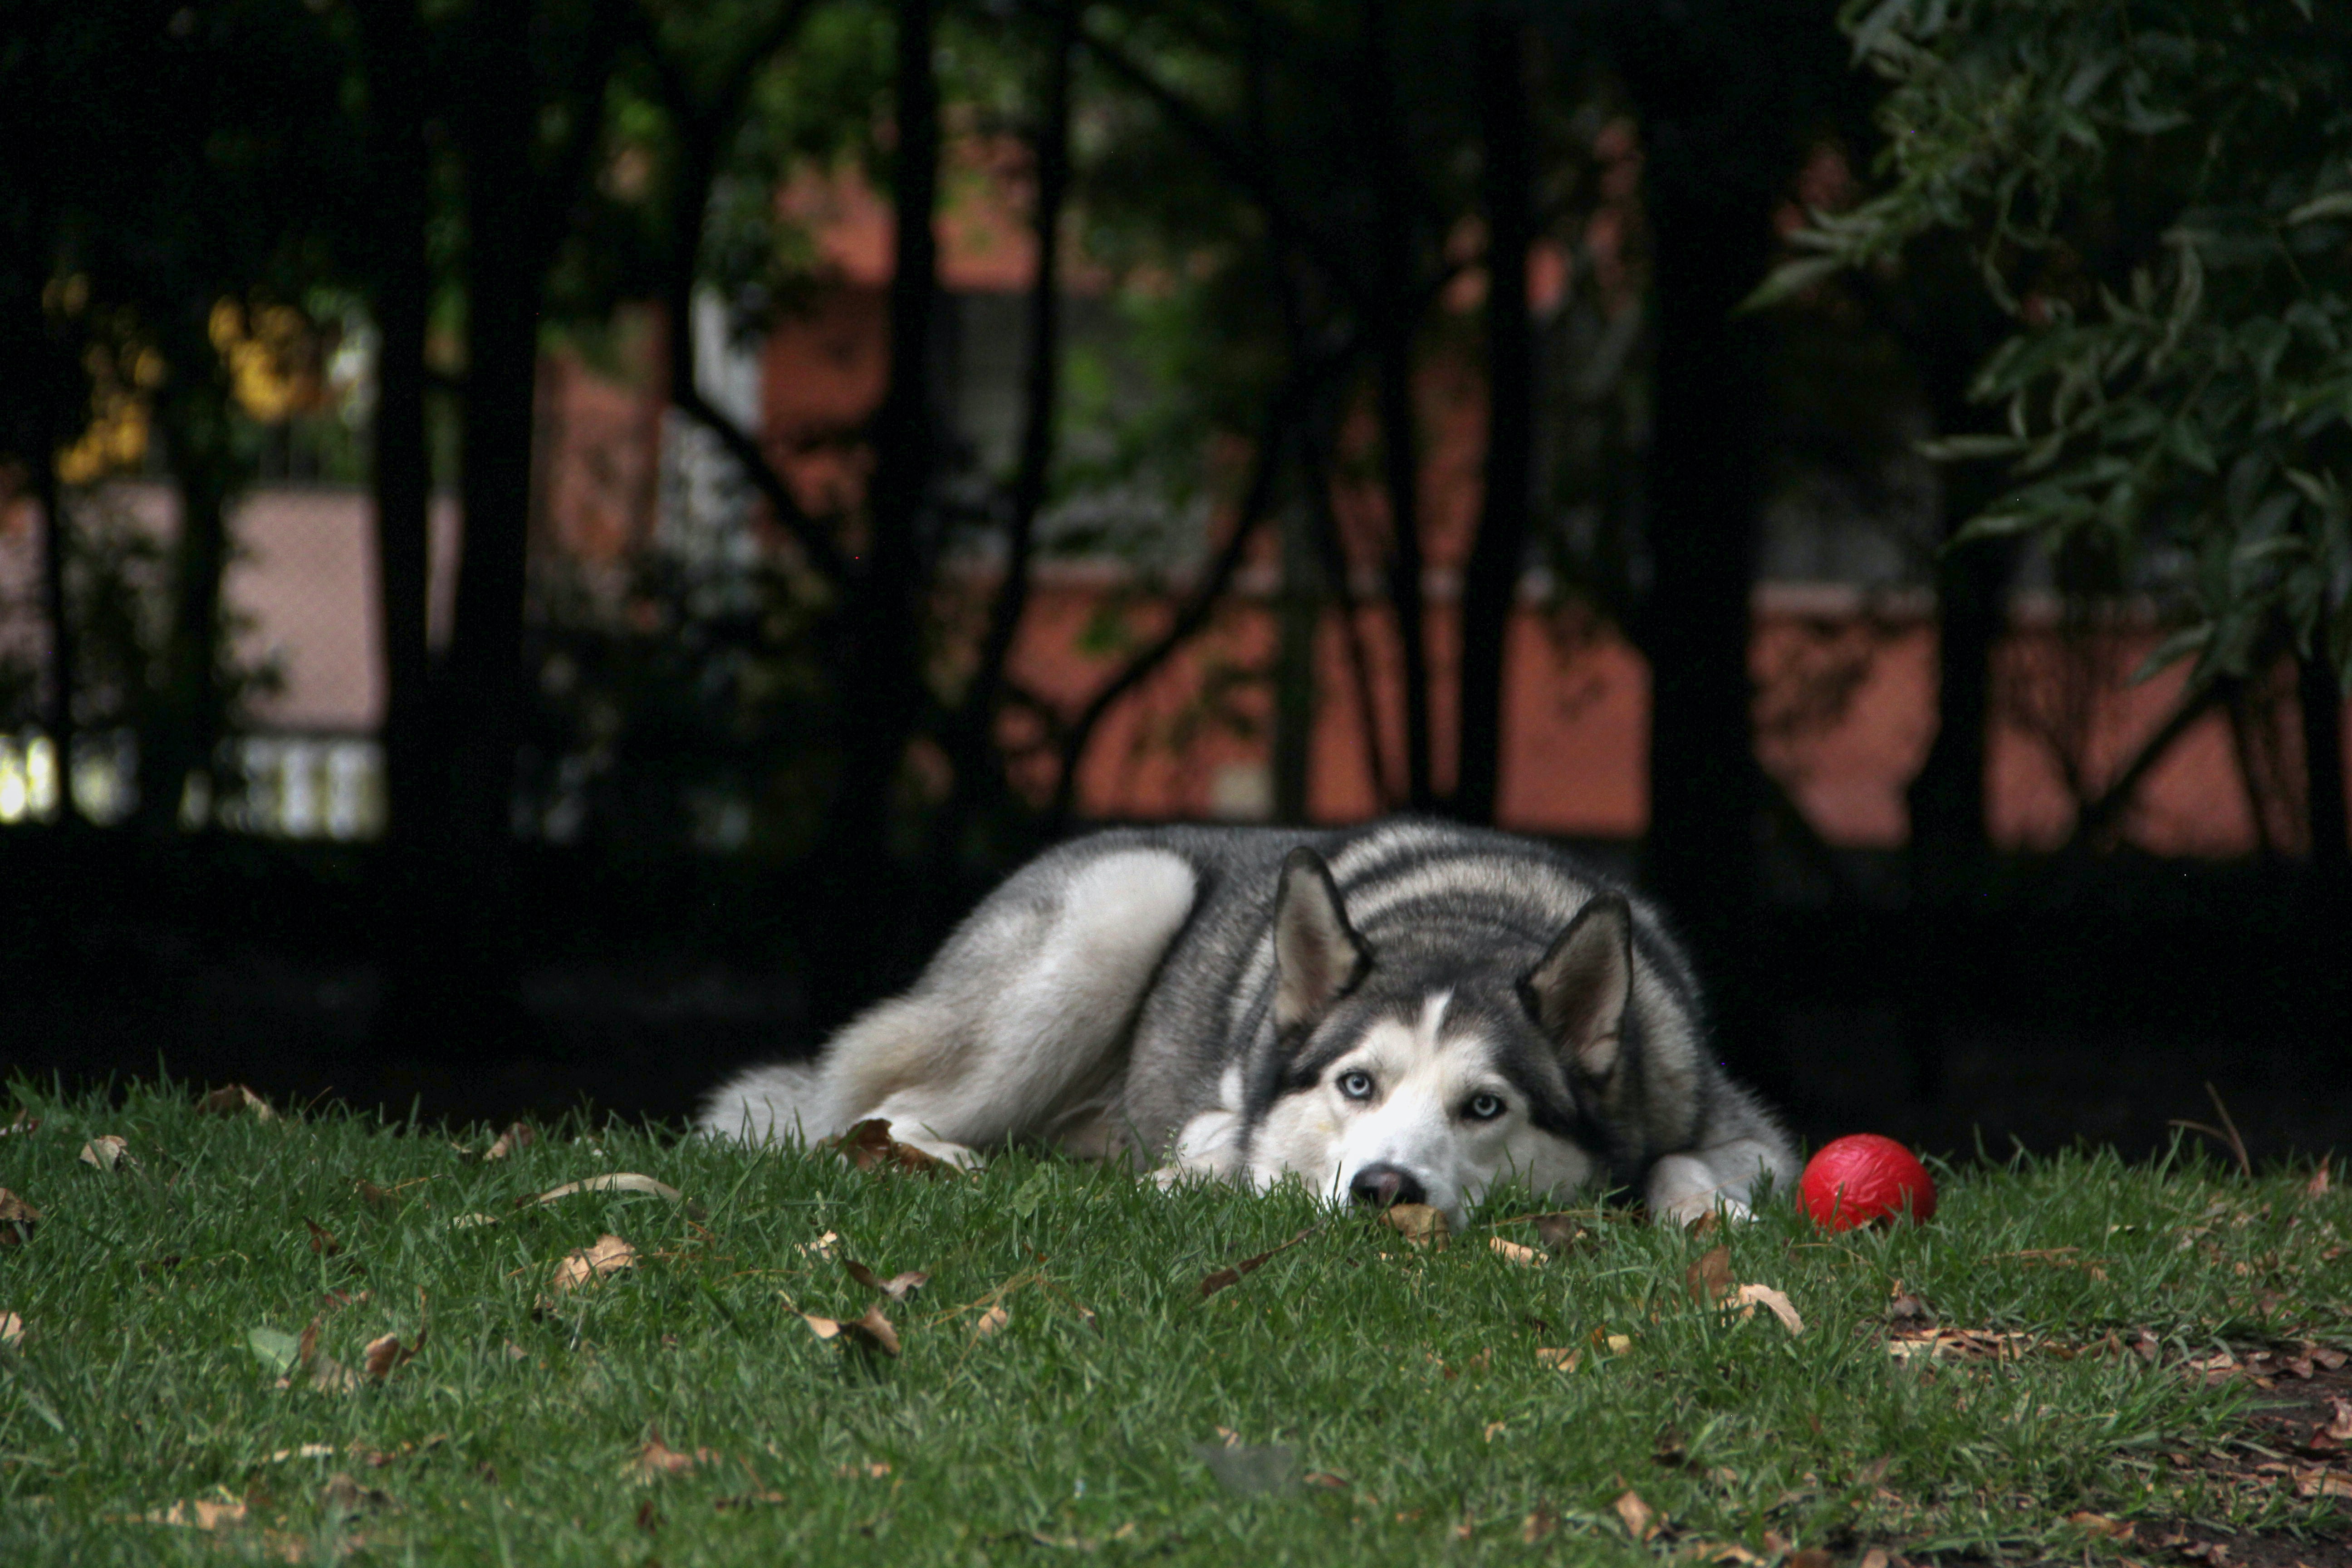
{"x":1862,"y":1177}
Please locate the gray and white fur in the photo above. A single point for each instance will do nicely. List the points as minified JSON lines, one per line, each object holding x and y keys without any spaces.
{"x":1411,"y":1011}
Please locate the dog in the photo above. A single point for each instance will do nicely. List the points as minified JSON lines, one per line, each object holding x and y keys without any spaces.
{"x":1408,"y":1012}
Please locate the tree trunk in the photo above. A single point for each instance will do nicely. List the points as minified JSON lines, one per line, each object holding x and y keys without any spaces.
{"x":2322,"y":703}
{"x":1708,"y":204}
{"x":882,"y":694}
{"x":1491,"y":582}
{"x":1393,"y":338}
{"x":181,"y":745}
{"x":1299,"y":615}
{"x":400,"y":463}
{"x":57,"y":551}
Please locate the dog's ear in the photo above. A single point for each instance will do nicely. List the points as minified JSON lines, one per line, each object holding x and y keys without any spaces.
{"x":1578,"y":994}
{"x":1317,"y":957}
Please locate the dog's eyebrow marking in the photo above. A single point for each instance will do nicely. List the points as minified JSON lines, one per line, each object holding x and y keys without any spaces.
{"x":1433,"y":1019}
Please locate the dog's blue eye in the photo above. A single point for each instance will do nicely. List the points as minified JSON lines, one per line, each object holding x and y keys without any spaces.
{"x":1485,"y":1107}
{"x":1356,"y":1085}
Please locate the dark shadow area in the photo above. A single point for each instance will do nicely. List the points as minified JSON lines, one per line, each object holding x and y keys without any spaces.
{"x":2066,"y":1009}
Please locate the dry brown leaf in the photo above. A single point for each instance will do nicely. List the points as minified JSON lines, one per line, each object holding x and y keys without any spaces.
{"x":105,"y":1152}
{"x":2339,"y":1426}
{"x":989,"y":1321}
{"x":2319,"y":1183}
{"x":822,"y":1246}
{"x":18,"y":1219}
{"x":1724,"y":1551}
{"x":2102,"y":1527}
{"x":2316,"y":1482}
{"x":385,"y":1355}
{"x":235,"y":1099}
{"x":617,"y":1182}
{"x":898,"y":1286}
{"x":369,"y":1194}
{"x":1527,"y":1256}
{"x":658,"y":1458}
{"x":315,"y":1370}
{"x":869,"y":1146}
{"x":873,"y":1329}
{"x":872,"y":1470}
{"x":322,"y":1240}
{"x":12,"y":1330}
{"x":1874,"y":1558}
{"x":1539,"y":1525}
{"x":1750,"y":1296}
{"x":1640,"y":1519}
{"x":514,"y":1140}
{"x":1417,"y":1222}
{"x":1709,"y":1279}
{"x":201,"y":1513}
{"x":1219,"y":1279}
{"x":585,"y":1266}
{"x":1810,"y":1557}
{"x":1554,"y":1356}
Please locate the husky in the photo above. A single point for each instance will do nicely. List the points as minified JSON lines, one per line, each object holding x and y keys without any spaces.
{"x":1408,"y":1012}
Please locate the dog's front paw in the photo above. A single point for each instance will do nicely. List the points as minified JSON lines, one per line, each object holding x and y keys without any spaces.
{"x":1683,"y":1190}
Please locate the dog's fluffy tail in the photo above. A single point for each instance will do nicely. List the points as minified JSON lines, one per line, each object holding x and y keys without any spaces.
{"x":784,"y":1103}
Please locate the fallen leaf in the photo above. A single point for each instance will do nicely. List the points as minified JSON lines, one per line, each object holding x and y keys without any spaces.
{"x":1750,"y":1296}
{"x":898,"y":1286}
{"x":1528,"y":1256}
{"x":617,"y":1182}
{"x":989,"y":1321}
{"x":2101,"y":1527}
{"x":1565,"y":1360}
{"x":17,"y":1219}
{"x":2339,"y":1427}
{"x":873,"y":1329}
{"x":23,"y":1121}
{"x":234,"y":1099}
{"x":12,"y":1330}
{"x":307,"y":1451}
{"x":873,"y":1470}
{"x":1417,"y":1222}
{"x":2332,"y":1360}
{"x":313,"y":1368}
{"x":1708,"y":1279}
{"x":1874,"y":1558}
{"x":1538,"y":1524}
{"x":387,"y":1354}
{"x":369,"y":1194}
{"x":276,"y":1347}
{"x":869,"y":1146}
{"x":1213,"y":1282}
{"x":1640,"y":1519}
{"x":1722,"y":1551}
{"x":658,"y":1458}
{"x":202,"y":1513}
{"x":2319,"y":1183}
{"x":105,"y":1152}
{"x":587,"y":1264}
{"x":2317,"y":1482}
{"x":322,"y":1240}
{"x":1615,"y":1344}
{"x":519,"y":1137}
{"x":822,"y":1246}
{"x":1810,"y":1557}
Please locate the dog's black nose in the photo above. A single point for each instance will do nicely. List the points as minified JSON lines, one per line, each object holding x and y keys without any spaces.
{"x":1380,"y":1185}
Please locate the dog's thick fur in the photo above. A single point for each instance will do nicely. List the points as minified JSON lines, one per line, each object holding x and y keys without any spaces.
{"x":1412,"y":1011}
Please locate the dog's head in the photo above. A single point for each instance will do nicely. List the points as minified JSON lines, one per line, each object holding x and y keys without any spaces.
{"x":1446,"y":1063}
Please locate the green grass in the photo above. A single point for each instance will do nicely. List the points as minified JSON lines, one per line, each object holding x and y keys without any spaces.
{"x":512,"y":1436}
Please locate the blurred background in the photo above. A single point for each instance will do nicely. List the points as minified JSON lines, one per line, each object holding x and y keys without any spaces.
{"x":549,"y":549}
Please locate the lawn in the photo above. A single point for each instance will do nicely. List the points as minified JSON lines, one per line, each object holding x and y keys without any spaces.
{"x":315,"y":1336}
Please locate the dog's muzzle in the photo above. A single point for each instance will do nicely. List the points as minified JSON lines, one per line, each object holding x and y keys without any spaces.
{"x":1381,"y":1185}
